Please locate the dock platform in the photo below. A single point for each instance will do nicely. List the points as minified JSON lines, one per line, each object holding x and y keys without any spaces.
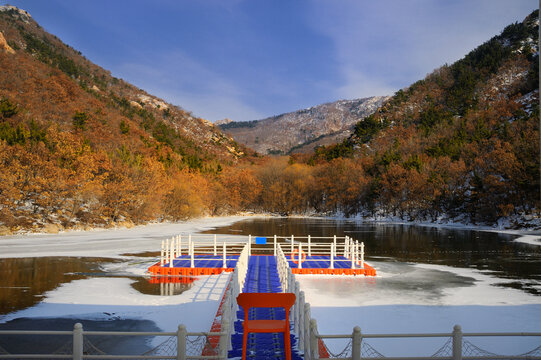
{"x":323,"y":255}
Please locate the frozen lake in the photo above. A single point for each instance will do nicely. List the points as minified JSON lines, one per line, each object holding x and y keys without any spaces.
{"x":429,"y":279}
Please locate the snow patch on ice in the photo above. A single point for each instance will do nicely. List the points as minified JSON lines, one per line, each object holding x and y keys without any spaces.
{"x":102,"y":298}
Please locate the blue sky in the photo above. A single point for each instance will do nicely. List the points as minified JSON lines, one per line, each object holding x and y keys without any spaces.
{"x":249,"y":59}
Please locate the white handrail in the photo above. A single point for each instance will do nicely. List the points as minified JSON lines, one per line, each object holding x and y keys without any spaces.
{"x":78,"y":335}
{"x":456,"y":336}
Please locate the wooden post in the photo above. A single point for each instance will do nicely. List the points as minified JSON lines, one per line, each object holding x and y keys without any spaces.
{"x":356,"y":344}
{"x":309,"y":246}
{"x":181,"y":342}
{"x":78,"y":341}
{"x":215,"y":245}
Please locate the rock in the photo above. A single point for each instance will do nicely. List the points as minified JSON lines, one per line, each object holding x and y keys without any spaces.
{"x":52,"y":228}
{"x":4,"y":45}
{"x":4,"y":230}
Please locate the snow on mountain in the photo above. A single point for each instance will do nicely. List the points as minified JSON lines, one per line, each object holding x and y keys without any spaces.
{"x":303,"y":130}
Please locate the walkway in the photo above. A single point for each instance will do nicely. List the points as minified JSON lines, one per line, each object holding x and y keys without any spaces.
{"x":262,"y":276}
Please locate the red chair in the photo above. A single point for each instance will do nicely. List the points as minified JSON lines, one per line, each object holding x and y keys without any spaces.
{"x":266,"y":300}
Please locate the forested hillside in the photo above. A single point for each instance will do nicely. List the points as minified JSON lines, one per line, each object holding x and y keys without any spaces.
{"x":80,"y":148}
{"x":464,"y":141}
{"x":460,"y":145}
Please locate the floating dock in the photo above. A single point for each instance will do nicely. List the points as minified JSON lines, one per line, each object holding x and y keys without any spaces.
{"x":198,"y":255}
{"x":182,"y":262}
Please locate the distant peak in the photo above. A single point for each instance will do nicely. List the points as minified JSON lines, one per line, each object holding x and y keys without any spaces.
{"x":223,"y":122}
{"x":16,"y":12}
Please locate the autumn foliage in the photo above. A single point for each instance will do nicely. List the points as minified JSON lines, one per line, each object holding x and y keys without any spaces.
{"x":80,"y":148}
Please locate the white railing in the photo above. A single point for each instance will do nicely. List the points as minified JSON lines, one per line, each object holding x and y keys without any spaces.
{"x":179,"y":340}
{"x":84,"y":349}
{"x":346,"y":247}
{"x":456,"y":348}
{"x":300,"y":312}
{"x":229,"y":305}
{"x":199,"y":244}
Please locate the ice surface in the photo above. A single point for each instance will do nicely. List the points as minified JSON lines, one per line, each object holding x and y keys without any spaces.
{"x":422,"y":298}
{"x":403,"y":297}
{"x":104,"y":243}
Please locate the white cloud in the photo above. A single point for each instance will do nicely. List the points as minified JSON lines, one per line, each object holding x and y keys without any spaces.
{"x":388,"y":44}
{"x":182,"y":81}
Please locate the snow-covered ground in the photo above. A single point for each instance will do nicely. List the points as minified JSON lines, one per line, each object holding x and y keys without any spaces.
{"x":420,"y":298}
{"x":104,"y":243}
{"x":403,"y":298}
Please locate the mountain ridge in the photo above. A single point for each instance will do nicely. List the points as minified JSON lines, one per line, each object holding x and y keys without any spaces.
{"x":303,"y":130}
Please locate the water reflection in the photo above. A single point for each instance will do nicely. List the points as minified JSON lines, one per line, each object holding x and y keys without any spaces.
{"x":164,"y":285}
{"x":488,"y":251}
{"x":24,"y":280}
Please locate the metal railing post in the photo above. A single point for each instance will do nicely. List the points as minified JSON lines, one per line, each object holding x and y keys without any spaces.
{"x":162,"y":252}
{"x":274,"y":245}
{"x":215,"y":245}
{"x":181,"y":342}
{"x":224,"y":339}
{"x":297,"y":309}
{"x":362,"y":255}
{"x":292,"y":243}
{"x":307,"y":331}
{"x":249,"y":245}
{"x":224,"y":252}
{"x":180,"y":245}
{"x":78,"y":341}
{"x":314,"y":351}
{"x":352,"y":254}
{"x":300,"y":257}
{"x":457,"y":342}
{"x":332,"y":256}
{"x":192,"y":263}
{"x":171,"y":252}
{"x":356,"y":344}
{"x":309,"y":246}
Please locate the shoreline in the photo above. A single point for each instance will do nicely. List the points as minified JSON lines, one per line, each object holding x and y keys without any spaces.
{"x":118,"y":242}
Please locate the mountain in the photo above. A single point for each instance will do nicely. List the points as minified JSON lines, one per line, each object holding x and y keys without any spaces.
{"x":463,"y":142}
{"x":81,"y":146}
{"x":303,"y":130}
